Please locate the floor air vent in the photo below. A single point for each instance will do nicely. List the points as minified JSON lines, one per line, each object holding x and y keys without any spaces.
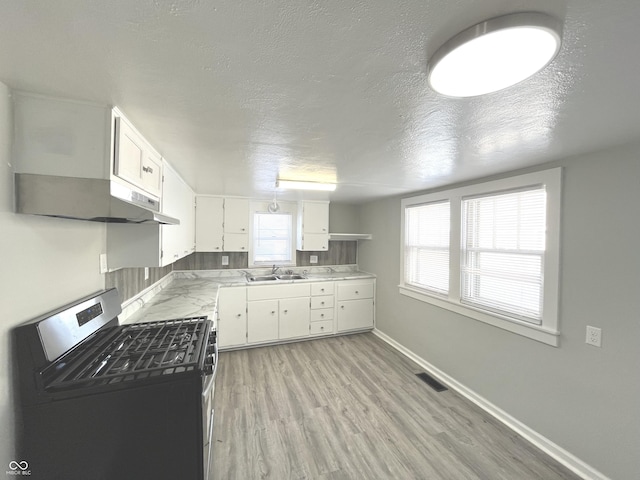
{"x":432,"y":382}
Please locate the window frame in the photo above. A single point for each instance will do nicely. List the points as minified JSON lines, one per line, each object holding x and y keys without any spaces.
{"x":262,"y":207}
{"x":548,"y":330}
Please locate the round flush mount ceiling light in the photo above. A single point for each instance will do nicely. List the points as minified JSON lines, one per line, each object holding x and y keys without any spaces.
{"x":495,"y":54}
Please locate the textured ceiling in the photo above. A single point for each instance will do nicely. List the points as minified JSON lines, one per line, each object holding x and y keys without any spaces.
{"x":236,"y":92}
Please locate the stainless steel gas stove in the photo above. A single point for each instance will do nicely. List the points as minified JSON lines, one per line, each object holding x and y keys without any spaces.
{"x":102,"y":400}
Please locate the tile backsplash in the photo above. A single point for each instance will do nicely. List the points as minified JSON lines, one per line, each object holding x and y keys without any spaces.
{"x":131,"y":281}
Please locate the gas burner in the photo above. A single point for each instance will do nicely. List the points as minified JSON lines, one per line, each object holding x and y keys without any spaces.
{"x":169,"y":359}
{"x":166,"y":343}
{"x":121,"y":365}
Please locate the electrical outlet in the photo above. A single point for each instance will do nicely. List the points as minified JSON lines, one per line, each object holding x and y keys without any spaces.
{"x":103,"y":263}
{"x":594,"y":336}
{"x":225,"y":260}
{"x":146,"y":273}
{"x":313,"y":258}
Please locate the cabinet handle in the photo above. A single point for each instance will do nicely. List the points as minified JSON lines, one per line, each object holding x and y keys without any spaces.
{"x":286,"y":311}
{"x":321,"y":328}
{"x":147,"y":169}
{"x":322,"y":315}
{"x":357,"y":292}
{"x":322,"y":289}
{"x":242,"y":229}
{"x":242,"y":248}
{"x":321,"y":303}
{"x":342,"y":307}
{"x":239,"y":315}
{"x":273,"y":312}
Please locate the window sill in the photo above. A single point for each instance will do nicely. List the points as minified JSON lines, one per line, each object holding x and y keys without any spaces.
{"x":535,"y":332}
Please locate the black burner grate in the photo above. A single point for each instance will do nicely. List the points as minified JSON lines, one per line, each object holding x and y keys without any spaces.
{"x":132,"y":352}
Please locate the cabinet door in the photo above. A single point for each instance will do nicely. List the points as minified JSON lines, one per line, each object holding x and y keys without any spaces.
{"x":236,"y":215}
{"x":151,"y":172}
{"x":232,"y":317}
{"x":129,"y":153}
{"x":354,"y":314}
{"x":236,"y":242}
{"x":209,"y":219}
{"x":177,"y":201}
{"x":172,"y":192}
{"x":315,"y":242}
{"x":315,"y":217}
{"x":262,"y":321}
{"x":294,"y":317}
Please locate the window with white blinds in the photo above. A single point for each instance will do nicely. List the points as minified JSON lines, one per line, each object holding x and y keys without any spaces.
{"x":488,"y":251}
{"x":502,"y":258}
{"x":427,"y":247}
{"x":272,"y":237}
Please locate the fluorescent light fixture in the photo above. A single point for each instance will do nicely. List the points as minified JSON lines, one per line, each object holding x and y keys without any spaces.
{"x":495,"y":54}
{"x":301,"y":185}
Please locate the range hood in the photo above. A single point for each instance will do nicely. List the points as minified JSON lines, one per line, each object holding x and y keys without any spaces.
{"x":90,"y":199}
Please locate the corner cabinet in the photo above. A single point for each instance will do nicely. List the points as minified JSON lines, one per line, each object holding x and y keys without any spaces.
{"x":222,"y":224}
{"x":313,"y":226}
{"x":209,"y":223}
{"x":232,"y":317}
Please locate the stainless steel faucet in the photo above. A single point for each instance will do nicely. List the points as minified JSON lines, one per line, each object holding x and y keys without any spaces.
{"x":274,"y":269}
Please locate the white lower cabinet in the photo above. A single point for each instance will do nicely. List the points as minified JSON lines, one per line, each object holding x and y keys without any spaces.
{"x":269,"y":313}
{"x":232,"y":317}
{"x":262,"y":321}
{"x":355,"y":304}
{"x":294,"y":317}
{"x":354,"y":314}
{"x":277,"y":312}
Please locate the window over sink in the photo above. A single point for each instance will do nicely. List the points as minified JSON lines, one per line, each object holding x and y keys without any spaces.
{"x":272,"y":241}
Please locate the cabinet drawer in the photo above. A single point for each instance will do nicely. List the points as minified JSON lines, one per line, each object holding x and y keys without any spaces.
{"x":322,"y":314}
{"x":318,"y":328}
{"x":324,"y":288}
{"x":355,"y":290}
{"x":322,"y":302}
{"x":268,"y":292}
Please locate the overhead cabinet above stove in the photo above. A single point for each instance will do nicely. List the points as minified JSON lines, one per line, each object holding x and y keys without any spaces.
{"x":85,"y":161}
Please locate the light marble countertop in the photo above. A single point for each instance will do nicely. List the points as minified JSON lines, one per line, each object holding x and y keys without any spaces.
{"x":183,"y":294}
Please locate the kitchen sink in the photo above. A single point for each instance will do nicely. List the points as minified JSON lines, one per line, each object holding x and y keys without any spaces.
{"x":290,"y":277}
{"x":262,"y":278}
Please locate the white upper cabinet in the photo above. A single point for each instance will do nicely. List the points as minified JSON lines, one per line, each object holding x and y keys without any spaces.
{"x":313,"y":226}
{"x":222,"y":224}
{"x":178,"y":201}
{"x":155,"y":245}
{"x":134,"y":159}
{"x":209,"y":221}
{"x":236,"y":215}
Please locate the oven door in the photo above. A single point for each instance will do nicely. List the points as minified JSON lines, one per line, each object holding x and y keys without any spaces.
{"x":209,"y":386}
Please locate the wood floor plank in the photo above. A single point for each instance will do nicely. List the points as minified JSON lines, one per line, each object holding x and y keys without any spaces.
{"x":351,"y":407}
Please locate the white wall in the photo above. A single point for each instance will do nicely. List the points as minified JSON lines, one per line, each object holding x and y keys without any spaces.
{"x":582,"y":398}
{"x":46,"y":263}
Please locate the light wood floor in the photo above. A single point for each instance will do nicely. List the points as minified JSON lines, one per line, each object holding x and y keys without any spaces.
{"x":351,"y":407}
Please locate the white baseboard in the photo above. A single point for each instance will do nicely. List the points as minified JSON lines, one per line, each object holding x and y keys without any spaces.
{"x":566,"y":458}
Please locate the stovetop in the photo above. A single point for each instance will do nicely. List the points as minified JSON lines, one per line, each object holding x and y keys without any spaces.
{"x":136,"y":352}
